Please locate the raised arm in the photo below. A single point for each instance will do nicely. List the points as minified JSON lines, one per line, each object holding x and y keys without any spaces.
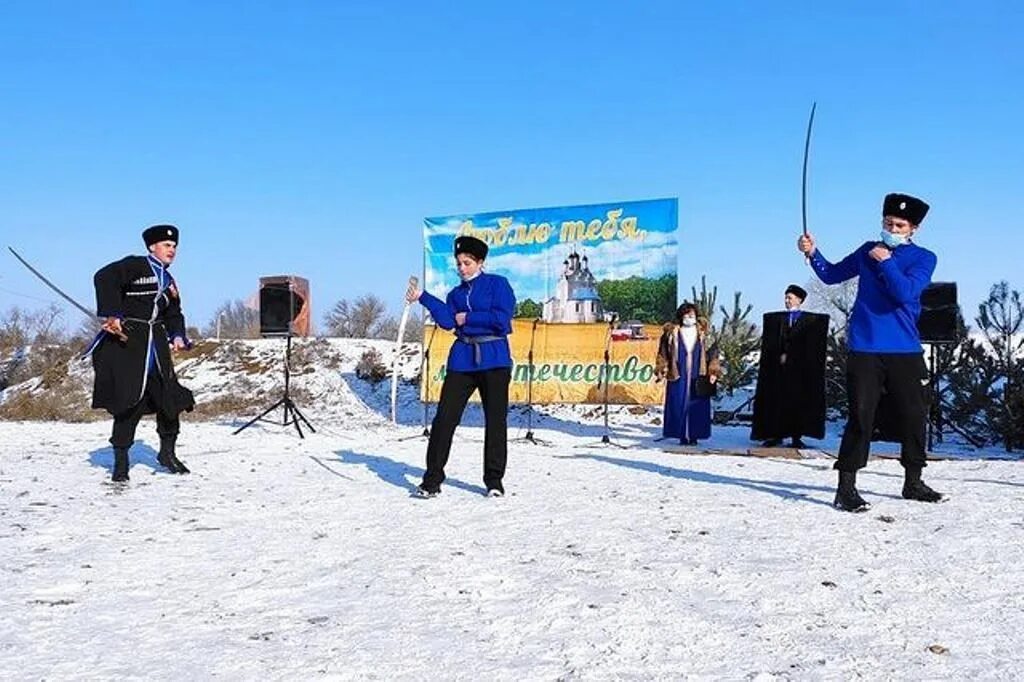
{"x":829,"y":273}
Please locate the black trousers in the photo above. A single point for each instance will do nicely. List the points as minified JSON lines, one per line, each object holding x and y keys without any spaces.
{"x":900,"y":375}
{"x":455,"y":393}
{"x":126,"y":422}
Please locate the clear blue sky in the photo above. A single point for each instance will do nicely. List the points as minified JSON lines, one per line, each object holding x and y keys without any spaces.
{"x":313,"y":137}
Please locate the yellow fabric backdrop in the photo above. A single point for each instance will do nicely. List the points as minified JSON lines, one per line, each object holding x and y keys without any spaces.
{"x":568,"y":362}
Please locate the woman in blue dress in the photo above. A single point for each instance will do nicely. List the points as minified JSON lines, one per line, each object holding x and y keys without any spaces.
{"x":684,"y":361}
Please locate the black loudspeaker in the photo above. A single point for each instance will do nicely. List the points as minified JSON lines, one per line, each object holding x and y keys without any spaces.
{"x":939,"y":295}
{"x":284,"y":306}
{"x":940,"y":314}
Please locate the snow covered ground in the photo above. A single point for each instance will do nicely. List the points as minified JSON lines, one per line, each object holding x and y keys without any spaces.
{"x":281,"y":558}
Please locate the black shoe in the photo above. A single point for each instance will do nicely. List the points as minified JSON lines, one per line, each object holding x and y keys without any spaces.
{"x":120,"y":465}
{"x":170,"y":462}
{"x":426,"y":492}
{"x":847,"y":497}
{"x":850,"y":500}
{"x":168,"y":459}
{"x":772,"y":443}
{"x":797,"y":443}
{"x":495,"y":492}
{"x":919,"y":491}
{"x":178,"y":467}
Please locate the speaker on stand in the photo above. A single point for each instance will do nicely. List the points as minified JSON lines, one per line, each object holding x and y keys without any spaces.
{"x":285,"y":311}
{"x":940,"y":324}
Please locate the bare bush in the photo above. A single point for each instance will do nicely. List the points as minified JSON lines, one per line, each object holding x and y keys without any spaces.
{"x":234,"y":320}
{"x":371,"y":366}
{"x":20,"y":328}
{"x":364,"y":318}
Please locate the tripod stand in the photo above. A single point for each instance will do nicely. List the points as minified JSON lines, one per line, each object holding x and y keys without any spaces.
{"x":606,"y":439}
{"x":292,"y":415}
{"x":425,"y":380}
{"x":529,"y":437}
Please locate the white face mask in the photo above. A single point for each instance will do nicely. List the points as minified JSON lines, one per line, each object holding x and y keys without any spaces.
{"x":689,"y":321}
{"x":893,"y":240}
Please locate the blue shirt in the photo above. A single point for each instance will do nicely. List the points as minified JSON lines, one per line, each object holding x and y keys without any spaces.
{"x":888,"y":303}
{"x":489,"y":304}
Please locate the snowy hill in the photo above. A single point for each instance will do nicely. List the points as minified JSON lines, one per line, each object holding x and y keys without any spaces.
{"x":235,"y":380}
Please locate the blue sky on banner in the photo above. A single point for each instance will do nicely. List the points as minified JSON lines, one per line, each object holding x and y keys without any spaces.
{"x":534,"y":265}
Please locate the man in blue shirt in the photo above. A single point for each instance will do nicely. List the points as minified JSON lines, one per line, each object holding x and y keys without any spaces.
{"x":885,"y":351}
{"x":479,"y":310}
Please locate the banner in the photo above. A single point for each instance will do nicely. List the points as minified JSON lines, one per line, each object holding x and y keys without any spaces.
{"x":586,"y":279}
{"x":568,"y":364}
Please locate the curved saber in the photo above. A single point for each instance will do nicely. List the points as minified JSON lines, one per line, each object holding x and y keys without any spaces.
{"x":88,"y":313}
{"x":53,"y":286}
{"x":413,"y":282}
{"x":807,"y":153}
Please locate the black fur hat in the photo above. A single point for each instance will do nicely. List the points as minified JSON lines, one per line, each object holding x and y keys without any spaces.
{"x":799,"y":292}
{"x":905,"y":206}
{"x":160,"y":233}
{"x":471,"y":245}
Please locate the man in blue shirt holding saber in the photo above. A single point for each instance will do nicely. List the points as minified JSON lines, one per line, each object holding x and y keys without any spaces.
{"x":884,"y":346}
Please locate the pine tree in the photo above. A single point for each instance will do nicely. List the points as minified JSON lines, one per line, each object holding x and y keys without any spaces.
{"x":705,"y":301}
{"x":1001,"y":322}
{"x":738,"y":341}
{"x":835,"y":372}
{"x":967,"y":381}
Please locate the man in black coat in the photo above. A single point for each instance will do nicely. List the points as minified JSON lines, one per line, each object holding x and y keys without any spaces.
{"x":790,"y":397}
{"x":141,"y":305}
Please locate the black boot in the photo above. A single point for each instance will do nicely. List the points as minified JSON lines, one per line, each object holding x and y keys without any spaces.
{"x":120,"y":465}
{"x":915,"y":489}
{"x":167,"y":458}
{"x":847,"y":497}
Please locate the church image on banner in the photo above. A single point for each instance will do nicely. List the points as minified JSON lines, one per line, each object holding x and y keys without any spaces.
{"x":576,"y":299}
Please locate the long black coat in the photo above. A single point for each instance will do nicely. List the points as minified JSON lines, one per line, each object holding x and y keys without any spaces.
{"x":142,"y":293}
{"x":790,"y":398}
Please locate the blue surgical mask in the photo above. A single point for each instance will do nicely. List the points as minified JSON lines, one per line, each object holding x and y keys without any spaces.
{"x":893,"y":240}
{"x":689,"y":321}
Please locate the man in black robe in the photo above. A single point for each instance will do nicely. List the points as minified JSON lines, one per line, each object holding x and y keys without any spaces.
{"x":790,"y":397}
{"x":141,"y":305}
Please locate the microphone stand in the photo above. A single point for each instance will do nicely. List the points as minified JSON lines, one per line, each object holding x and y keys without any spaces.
{"x":606,"y":438}
{"x":529,"y":437}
